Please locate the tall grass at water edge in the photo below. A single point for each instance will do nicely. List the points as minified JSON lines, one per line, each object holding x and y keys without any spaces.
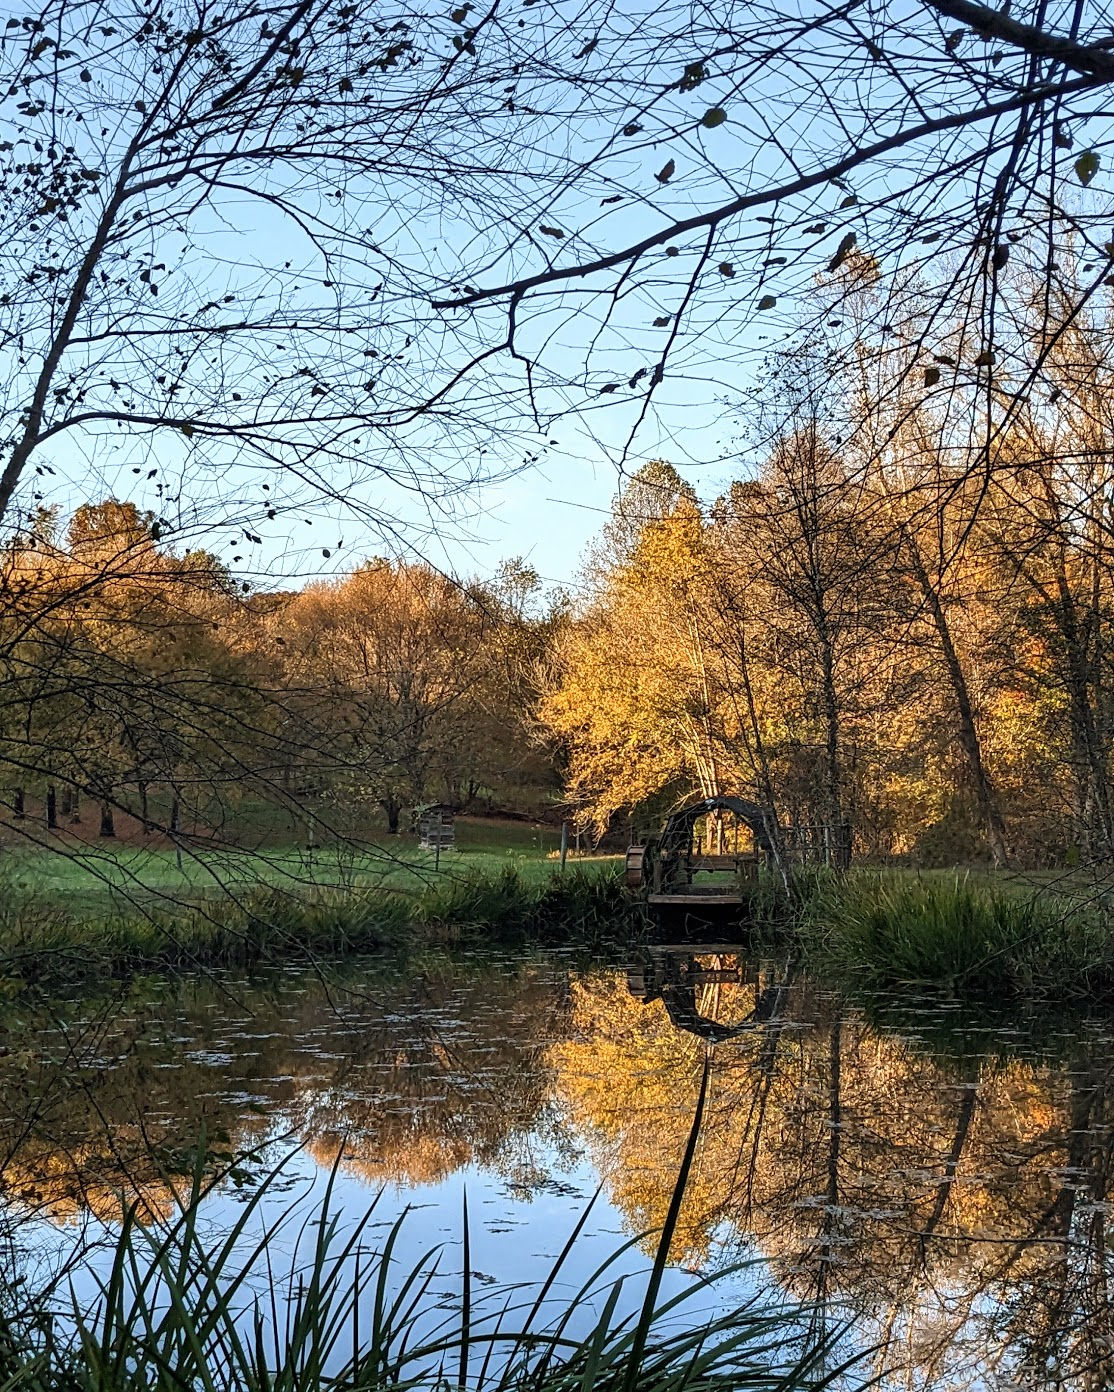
{"x":176,"y":1312}
{"x":46,"y":943}
{"x":881,"y":930}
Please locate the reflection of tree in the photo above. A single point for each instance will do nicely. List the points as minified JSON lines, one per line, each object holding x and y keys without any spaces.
{"x":455,"y":1079}
{"x":956,"y":1208}
{"x":415,"y":1082}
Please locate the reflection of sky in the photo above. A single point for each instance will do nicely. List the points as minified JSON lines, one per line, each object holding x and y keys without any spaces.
{"x":514,"y":1240}
{"x":524,"y":1083}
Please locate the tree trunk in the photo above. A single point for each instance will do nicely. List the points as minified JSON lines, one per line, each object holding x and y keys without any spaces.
{"x":392,"y":810}
{"x":51,"y":807}
{"x":985,"y":795}
{"x":18,"y":809}
{"x":839,"y":848}
{"x":1089,"y":754}
{"x":108,"y":826}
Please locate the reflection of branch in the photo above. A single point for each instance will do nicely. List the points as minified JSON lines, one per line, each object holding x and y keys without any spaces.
{"x":951,"y":1165}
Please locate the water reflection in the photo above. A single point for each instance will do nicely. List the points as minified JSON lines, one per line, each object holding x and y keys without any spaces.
{"x":944,"y":1181}
{"x":955,"y":1206}
{"x":687,"y":978}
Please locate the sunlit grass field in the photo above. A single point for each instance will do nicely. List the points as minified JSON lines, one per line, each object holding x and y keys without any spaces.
{"x":92,"y":876}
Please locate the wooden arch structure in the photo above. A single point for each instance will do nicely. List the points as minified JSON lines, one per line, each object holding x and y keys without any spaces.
{"x":676,"y":870}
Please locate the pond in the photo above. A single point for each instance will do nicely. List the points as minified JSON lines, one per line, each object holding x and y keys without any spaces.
{"x":940,"y":1183}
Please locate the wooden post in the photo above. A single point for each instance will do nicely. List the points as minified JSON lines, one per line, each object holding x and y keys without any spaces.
{"x":564,"y":844}
{"x":175,"y":816}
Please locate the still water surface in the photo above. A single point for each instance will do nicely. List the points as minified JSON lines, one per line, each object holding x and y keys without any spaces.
{"x":944,"y":1182}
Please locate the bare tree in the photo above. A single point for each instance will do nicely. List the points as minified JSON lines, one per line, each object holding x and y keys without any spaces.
{"x":216,"y":249}
{"x":332,"y":240}
{"x":947,"y":142}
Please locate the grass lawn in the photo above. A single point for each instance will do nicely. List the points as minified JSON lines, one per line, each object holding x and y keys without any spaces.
{"x":94,"y":876}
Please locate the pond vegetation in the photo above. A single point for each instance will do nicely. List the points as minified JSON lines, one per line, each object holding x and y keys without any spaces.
{"x":178,"y":1309}
{"x":49,"y":943}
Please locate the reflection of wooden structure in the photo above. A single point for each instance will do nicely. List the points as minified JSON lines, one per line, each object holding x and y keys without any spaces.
{"x":686,"y":978}
{"x":437,"y":828}
{"x":686,"y":868}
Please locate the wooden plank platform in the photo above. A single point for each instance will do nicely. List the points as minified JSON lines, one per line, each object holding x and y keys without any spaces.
{"x":718,"y":898}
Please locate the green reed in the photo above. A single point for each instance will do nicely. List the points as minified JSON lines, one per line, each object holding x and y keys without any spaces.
{"x":177,"y":1311}
{"x":885,"y":930}
{"x":47,"y":944}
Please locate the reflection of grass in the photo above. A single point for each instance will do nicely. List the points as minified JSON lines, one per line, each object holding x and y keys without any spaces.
{"x":272,"y":923}
{"x":180,"y":1310}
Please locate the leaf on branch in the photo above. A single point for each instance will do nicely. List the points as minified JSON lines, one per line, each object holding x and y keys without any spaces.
{"x":1000,"y":257}
{"x":550,"y":231}
{"x":1061,"y":137}
{"x":610,"y":387}
{"x":666,"y":172}
{"x":849,"y":201}
{"x":945,"y":359}
{"x":1087,"y":166}
{"x":767,"y":302}
{"x":954,"y":39}
{"x":694,"y":74}
{"x":186,"y":428}
{"x":842,"y":252}
{"x":633,"y":129}
{"x":662,"y":322}
{"x":985,"y":358}
{"x":931,"y":376}
{"x":713,"y":117}
{"x":613,"y":198}
{"x":726,"y":269}
{"x":588,"y":47}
